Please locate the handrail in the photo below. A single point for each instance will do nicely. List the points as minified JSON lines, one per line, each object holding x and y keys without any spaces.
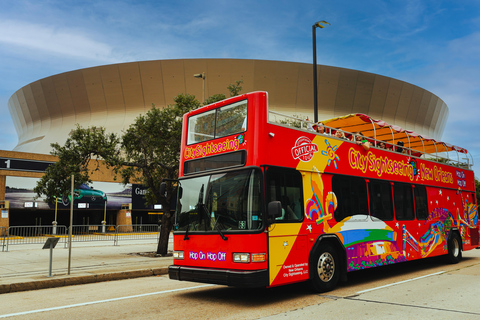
{"x":297,"y":123}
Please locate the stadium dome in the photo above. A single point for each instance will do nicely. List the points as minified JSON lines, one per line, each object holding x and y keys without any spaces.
{"x":45,"y":111}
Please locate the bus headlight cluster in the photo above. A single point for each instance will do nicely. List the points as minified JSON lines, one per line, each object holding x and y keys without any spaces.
{"x":178,"y":255}
{"x":249,"y":257}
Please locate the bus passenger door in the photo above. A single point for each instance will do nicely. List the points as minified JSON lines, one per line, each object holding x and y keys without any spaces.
{"x":287,"y":247}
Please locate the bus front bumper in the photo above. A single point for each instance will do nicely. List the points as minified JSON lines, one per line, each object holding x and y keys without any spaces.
{"x":248,"y":279}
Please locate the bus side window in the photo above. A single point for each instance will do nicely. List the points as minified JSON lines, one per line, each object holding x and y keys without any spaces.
{"x":403,"y":199}
{"x":381,"y":205}
{"x":285,"y":185}
{"x":421,"y":202}
{"x":351,"y":195}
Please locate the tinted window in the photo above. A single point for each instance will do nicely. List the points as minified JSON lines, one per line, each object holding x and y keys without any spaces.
{"x":381,"y":205}
{"x":421,"y":202}
{"x":232,"y":159}
{"x":403,"y":197}
{"x":228,"y":201}
{"x":351,"y":195}
{"x":285,"y":185}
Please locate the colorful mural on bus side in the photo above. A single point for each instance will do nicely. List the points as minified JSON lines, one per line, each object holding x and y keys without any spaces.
{"x":368,"y":240}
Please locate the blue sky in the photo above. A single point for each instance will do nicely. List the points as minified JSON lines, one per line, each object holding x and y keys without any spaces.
{"x":432,"y":44}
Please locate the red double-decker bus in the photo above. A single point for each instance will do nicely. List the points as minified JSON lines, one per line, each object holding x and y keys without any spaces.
{"x":266,"y":200}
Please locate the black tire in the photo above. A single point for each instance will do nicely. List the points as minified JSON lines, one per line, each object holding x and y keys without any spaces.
{"x":65,"y":201}
{"x":325,"y":268}
{"x":454,"y":248}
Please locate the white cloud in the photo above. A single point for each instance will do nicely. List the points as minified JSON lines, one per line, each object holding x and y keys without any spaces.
{"x":55,"y":41}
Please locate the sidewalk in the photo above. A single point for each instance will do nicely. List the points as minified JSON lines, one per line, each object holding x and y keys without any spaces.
{"x":26,"y":267}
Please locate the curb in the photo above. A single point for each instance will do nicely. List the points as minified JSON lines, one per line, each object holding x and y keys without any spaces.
{"x":71,"y":281}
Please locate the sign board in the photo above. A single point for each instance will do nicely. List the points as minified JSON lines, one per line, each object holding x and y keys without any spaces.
{"x":24,"y":165}
{"x":4,"y":214}
{"x":138,"y":199}
{"x":50,"y":243}
{"x":30,"y":204}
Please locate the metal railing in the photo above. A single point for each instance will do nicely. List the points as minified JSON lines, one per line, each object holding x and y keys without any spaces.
{"x":443,"y":153}
{"x":80,"y":233}
{"x":34,"y":234}
{"x":86,"y":233}
{"x":137,"y":232}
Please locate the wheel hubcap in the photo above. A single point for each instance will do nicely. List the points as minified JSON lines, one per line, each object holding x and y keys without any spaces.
{"x":326,"y":267}
{"x":456,"y":247}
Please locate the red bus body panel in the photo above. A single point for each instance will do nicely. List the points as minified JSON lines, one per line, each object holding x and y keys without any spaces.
{"x":367,"y":242}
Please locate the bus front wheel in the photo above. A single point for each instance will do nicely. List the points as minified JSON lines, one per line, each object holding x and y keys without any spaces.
{"x":325,"y":268}
{"x":454,"y":248}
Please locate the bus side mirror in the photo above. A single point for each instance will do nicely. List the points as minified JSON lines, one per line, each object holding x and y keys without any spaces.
{"x":274,"y":210}
{"x":180,"y":192}
{"x":163,"y":188}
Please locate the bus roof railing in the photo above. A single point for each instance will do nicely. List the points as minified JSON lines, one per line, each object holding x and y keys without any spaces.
{"x":380,"y":131}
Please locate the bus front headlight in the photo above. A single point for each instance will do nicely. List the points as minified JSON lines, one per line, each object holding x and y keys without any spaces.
{"x":241,"y":257}
{"x":178,"y":255}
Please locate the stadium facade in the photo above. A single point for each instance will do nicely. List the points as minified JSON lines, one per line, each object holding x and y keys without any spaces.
{"x":45,"y":111}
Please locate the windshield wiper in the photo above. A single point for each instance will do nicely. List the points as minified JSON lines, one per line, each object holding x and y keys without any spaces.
{"x":219,"y":231}
{"x":205,"y":212}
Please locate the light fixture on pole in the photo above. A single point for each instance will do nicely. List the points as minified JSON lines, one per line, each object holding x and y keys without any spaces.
{"x":319,"y":24}
{"x":202,"y":76}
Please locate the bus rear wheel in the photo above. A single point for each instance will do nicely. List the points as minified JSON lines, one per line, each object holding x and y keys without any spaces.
{"x":325,"y":268}
{"x":454,"y":248}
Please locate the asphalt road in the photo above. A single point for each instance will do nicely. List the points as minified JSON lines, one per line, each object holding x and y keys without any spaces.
{"x":428,"y":289}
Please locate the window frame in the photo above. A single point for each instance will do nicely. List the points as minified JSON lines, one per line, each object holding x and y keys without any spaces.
{"x":355,"y":202}
{"x":401,"y":200}
{"x":284,"y":192}
{"x":372,"y":183}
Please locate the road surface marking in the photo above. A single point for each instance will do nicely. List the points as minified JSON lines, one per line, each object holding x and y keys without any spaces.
{"x":400,"y":282}
{"x":101,"y":301}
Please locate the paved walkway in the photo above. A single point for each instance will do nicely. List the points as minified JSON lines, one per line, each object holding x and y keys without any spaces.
{"x":26,"y":267}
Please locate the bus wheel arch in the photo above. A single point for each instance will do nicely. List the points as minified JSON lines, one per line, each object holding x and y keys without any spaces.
{"x":327,"y":263}
{"x":455,"y":247}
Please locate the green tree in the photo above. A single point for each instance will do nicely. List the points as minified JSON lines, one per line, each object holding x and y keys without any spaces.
{"x":151,"y":152}
{"x":235,"y":88}
{"x":148,"y":152}
{"x":83,"y":147}
{"x":214,"y":98}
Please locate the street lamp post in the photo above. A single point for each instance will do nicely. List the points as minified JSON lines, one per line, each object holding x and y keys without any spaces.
{"x":321,"y":25}
{"x":201,"y":75}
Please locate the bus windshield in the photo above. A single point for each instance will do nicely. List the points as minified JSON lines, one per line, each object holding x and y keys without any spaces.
{"x":221,"y":202}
